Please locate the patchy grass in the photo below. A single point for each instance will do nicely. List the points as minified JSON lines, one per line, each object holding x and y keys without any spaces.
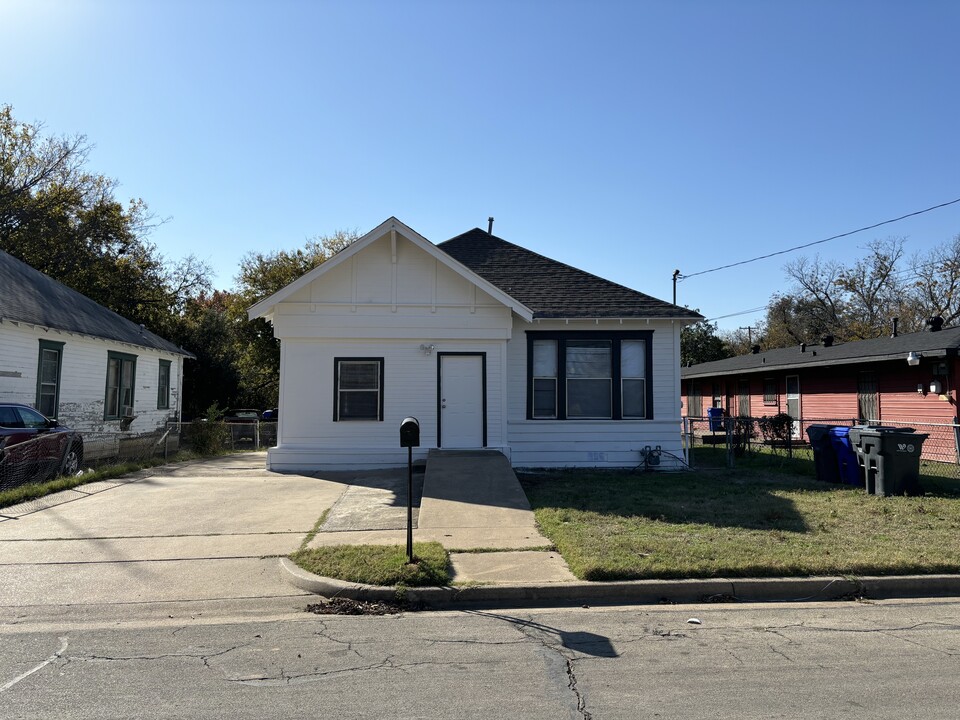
{"x":743,"y":522}
{"x":379,"y":564}
{"x":23,"y":493}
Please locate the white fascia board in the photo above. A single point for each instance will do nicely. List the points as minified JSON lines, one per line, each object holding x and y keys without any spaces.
{"x":265,"y":307}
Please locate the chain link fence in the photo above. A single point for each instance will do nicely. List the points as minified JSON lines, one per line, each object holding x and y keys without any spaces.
{"x":720,"y":442}
{"x":51,"y":454}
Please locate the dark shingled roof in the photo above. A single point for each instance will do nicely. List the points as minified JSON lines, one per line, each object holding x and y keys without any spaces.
{"x":550,"y":288}
{"x":930,"y":344}
{"x":29,"y":296}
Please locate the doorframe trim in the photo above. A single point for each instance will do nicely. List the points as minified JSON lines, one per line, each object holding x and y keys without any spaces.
{"x":483,"y":378}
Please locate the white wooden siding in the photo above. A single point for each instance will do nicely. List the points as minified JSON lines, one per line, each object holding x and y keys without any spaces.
{"x":83,"y":377}
{"x":595,"y":443}
{"x":308,"y":435}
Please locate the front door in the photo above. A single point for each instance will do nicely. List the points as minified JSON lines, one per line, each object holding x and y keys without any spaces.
{"x":462,"y":395}
{"x":793,"y":403}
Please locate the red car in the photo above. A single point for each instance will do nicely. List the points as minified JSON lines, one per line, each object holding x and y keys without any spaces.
{"x":34,"y":448}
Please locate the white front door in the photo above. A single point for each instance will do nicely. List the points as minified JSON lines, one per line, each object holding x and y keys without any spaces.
{"x":793,"y":403}
{"x":461,"y":401}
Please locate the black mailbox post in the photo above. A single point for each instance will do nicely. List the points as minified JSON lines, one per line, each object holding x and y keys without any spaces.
{"x":410,"y":438}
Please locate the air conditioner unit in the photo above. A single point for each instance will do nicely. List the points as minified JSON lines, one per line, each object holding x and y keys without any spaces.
{"x":127,"y":411}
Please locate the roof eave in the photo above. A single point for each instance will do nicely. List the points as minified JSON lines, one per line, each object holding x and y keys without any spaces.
{"x":886,"y":357}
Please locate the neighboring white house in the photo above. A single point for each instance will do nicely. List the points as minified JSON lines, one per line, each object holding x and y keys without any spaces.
{"x":76,"y":361}
{"x":487,"y":344}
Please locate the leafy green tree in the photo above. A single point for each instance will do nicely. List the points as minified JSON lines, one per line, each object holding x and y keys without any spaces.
{"x":261,"y":275}
{"x":700,"y":343}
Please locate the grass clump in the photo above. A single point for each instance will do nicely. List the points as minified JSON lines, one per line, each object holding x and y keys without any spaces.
{"x":379,"y":564}
{"x":740,"y":523}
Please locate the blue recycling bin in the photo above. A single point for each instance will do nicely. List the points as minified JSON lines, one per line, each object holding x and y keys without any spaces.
{"x":716,"y":419}
{"x":847,"y":462}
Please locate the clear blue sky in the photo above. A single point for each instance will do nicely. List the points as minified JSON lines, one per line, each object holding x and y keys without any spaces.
{"x":625,"y":138}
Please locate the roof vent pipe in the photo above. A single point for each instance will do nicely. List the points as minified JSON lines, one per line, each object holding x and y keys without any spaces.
{"x":755,"y":349}
{"x":896,"y":323}
{"x":827,"y":340}
{"x":490,"y":225}
{"x":803,"y":347}
{"x":935,"y":323}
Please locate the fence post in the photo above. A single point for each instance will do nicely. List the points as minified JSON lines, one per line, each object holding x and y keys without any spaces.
{"x":729,"y":428}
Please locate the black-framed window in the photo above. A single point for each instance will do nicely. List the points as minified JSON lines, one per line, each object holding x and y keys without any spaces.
{"x":544,"y":378}
{"x":586,"y":375}
{"x":163,"y":385}
{"x":49,"y":367}
{"x":357,"y":389}
{"x":717,"y":401}
{"x":121,"y":381}
{"x":770,"y":392}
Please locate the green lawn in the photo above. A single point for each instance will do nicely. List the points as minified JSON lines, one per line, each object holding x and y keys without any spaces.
{"x":752,"y":521}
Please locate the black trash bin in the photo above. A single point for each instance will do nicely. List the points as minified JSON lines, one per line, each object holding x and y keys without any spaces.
{"x":824,"y":455}
{"x":847,"y":463}
{"x":890,"y":458}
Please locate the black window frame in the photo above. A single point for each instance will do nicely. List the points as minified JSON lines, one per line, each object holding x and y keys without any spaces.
{"x":49,"y":346}
{"x":163,"y":391}
{"x":336,"y":389}
{"x":615,"y":337}
{"x":120,"y":358}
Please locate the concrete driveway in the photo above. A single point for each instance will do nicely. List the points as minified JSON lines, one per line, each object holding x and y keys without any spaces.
{"x":194,"y":531}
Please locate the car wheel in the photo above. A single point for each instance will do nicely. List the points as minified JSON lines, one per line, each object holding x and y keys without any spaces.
{"x":71,"y":463}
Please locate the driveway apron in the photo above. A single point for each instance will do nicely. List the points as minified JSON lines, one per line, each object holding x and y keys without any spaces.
{"x":191,"y":531}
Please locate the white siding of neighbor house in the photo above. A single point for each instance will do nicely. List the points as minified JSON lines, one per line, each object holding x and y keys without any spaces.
{"x":596,"y":443}
{"x":83,"y":377}
{"x":371,"y":306}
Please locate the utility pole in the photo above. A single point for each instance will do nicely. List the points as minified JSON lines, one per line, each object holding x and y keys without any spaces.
{"x":749,"y":330}
{"x":676,"y":274}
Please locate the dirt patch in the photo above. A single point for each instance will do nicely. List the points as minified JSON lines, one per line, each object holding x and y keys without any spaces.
{"x":346,"y":606}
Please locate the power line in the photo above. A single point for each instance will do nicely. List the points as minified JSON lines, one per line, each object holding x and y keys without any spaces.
{"x":818,"y":242}
{"x":741,"y":312}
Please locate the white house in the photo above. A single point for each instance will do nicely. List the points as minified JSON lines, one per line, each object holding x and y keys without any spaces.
{"x":76,"y":361}
{"x":487,"y":344}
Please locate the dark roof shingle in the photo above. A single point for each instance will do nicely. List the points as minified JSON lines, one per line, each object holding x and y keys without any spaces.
{"x":550,"y":288}
{"x":29,"y":296}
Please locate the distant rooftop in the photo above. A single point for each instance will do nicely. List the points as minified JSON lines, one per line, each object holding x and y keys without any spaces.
{"x":29,"y":296}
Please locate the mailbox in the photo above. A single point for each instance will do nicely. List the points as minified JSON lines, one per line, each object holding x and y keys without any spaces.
{"x":410,"y":432}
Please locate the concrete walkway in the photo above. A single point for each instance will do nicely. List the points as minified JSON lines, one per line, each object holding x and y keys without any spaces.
{"x":472,"y":501}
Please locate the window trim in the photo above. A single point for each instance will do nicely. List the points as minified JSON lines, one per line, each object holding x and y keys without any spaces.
{"x":121,"y":357}
{"x":771,"y":399}
{"x":336,"y":389}
{"x":163,"y":399}
{"x":58,"y":348}
{"x":616,"y":379}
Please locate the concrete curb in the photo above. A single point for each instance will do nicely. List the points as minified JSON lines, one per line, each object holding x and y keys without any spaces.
{"x":637,"y":591}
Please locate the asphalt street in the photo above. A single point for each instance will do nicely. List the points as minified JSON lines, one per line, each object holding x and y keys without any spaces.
{"x":270,"y":659}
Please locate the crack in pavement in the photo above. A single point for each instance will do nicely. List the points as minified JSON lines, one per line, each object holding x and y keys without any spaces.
{"x":540,"y":634}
